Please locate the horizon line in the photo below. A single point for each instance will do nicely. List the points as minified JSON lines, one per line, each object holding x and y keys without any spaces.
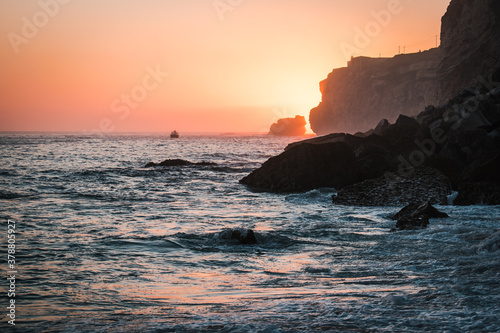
{"x":167,"y":134}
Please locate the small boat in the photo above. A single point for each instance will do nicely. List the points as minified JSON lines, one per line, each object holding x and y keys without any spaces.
{"x":174,"y":135}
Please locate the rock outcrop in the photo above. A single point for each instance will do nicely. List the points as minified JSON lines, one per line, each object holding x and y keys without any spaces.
{"x":305,"y":167}
{"x":289,"y":127}
{"x":240,"y":236}
{"x":416,"y":216}
{"x":442,"y":149}
{"x":355,"y":98}
{"x":176,"y":162}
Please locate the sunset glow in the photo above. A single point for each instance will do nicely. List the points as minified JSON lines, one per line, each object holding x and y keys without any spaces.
{"x":195,"y":66}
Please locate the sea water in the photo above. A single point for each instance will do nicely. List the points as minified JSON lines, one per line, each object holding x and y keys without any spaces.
{"x":104,"y":244}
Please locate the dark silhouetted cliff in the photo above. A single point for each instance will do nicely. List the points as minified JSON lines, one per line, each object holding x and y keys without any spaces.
{"x":470,"y":44}
{"x":356,"y":97}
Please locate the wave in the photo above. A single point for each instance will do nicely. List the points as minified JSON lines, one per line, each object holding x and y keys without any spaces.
{"x":226,"y":169}
{"x":318,"y":195}
{"x":155,"y":242}
{"x":490,"y":244}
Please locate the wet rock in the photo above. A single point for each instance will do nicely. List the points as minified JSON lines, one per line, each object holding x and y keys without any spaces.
{"x":242,"y":236}
{"x":176,"y":162}
{"x":305,"y":167}
{"x":419,"y":208}
{"x":398,"y":300}
{"x":416,"y":216}
{"x":413,"y":223}
{"x":246,"y":238}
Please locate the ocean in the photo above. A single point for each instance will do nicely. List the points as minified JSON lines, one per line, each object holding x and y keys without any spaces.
{"x":103,"y":244}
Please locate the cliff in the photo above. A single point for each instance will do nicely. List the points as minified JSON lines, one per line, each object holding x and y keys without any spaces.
{"x":470,"y":44}
{"x":356,"y":97}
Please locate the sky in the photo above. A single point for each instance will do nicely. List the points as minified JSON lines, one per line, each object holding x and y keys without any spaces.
{"x":111,"y":66}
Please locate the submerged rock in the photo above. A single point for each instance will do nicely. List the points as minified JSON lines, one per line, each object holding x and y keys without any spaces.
{"x":246,"y":238}
{"x":242,"y":236}
{"x":176,"y":162}
{"x":416,"y":216}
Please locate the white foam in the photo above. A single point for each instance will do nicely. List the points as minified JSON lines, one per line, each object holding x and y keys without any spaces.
{"x":451,"y":198}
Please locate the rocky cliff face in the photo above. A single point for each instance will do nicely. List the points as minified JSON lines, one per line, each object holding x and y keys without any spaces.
{"x":470,"y":45}
{"x":356,"y":97}
{"x":369,"y":89}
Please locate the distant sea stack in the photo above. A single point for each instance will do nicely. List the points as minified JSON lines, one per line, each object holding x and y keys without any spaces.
{"x":356,"y":97}
{"x":289,"y":127}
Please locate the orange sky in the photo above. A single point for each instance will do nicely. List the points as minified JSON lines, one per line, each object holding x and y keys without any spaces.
{"x":190,"y":65}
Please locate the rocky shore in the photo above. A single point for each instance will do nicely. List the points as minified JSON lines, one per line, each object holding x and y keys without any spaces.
{"x":453,"y":147}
